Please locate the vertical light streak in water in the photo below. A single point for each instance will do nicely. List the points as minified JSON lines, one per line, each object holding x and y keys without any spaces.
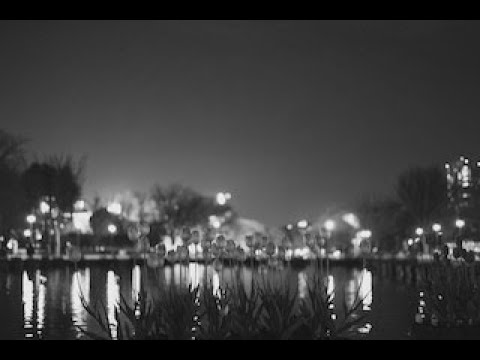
{"x":366,"y":295}
{"x":27,"y":298}
{"x":195,"y":273}
{"x":136,"y":282}
{"x":247,"y":278}
{"x":177,"y":268}
{"x":331,"y":293}
{"x":366,"y":289}
{"x":302,"y":284}
{"x":80,"y":287}
{"x":168,"y":275}
{"x":352,"y":286}
{"x":113,"y":299}
{"x":216,"y":283}
{"x":40,"y":281}
{"x":331,"y":286}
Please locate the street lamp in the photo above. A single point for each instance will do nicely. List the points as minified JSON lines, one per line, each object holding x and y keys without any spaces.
{"x":459,"y":223}
{"x":365,"y":235}
{"x":45,"y":210}
{"x":112,"y":229}
{"x":419,"y":231}
{"x":31,"y":220}
{"x":329,"y":226}
{"x":437,"y":228}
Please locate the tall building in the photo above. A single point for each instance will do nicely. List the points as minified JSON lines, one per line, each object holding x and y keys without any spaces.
{"x":463,"y":190}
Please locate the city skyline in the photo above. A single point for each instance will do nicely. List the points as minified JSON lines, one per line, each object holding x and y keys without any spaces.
{"x":291,"y":117}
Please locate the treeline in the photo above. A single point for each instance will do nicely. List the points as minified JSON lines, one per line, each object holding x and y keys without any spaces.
{"x":56,"y":180}
{"x":167,"y":210}
{"x":418,"y":199}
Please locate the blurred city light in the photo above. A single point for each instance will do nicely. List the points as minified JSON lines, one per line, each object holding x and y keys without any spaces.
{"x":352,"y":220}
{"x":459,"y":223}
{"x":302,"y":224}
{"x":436,"y":227}
{"x":27,"y":233}
{"x":44,"y":207}
{"x":365,"y":234}
{"x":112,"y":229}
{"x":114,"y":208}
{"x":215,"y":222}
{"x":419,"y":231}
{"x":79,"y":205}
{"x":223,"y":197}
{"x":31,"y":218}
{"x":330,"y":225}
{"x":289,"y":227}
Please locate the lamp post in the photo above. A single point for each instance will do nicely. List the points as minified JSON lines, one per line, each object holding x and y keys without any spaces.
{"x":419,"y":232}
{"x":112,"y":229}
{"x":460,"y":224}
{"x":365,"y":235}
{"x":329,"y":226}
{"x":302,"y":226}
{"x":437,"y":228}
{"x":31,"y":220}
{"x":45,"y":209}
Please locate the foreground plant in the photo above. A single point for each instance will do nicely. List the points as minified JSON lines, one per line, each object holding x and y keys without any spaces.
{"x":320,"y":320}
{"x":267,"y":311}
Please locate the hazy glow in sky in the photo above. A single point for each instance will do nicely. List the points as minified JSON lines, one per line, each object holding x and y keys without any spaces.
{"x":291,"y":117}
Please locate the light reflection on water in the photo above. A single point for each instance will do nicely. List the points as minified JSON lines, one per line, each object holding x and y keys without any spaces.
{"x":47,"y":294}
{"x":113,"y":300}
{"x":80,"y":287}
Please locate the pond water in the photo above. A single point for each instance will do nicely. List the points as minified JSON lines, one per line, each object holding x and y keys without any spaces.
{"x":44,"y":302}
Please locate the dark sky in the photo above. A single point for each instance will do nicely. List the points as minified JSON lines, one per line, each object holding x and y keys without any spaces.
{"x":290,"y":116}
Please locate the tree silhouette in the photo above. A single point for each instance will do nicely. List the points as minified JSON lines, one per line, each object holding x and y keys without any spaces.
{"x":58,"y":178}
{"x":179,"y":206}
{"x":422,"y":193}
{"x":12,"y":196}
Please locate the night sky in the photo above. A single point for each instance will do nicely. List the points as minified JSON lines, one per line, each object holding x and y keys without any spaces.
{"x":291,"y":117}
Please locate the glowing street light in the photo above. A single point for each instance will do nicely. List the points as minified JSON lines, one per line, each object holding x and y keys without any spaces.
{"x":419,"y":231}
{"x":31,"y":218}
{"x":302,"y":224}
{"x":27,"y":233}
{"x":112,"y":229}
{"x":330,"y":225}
{"x":114,"y":208}
{"x":222,"y":198}
{"x":289,"y":227}
{"x":437,"y":227}
{"x":459,"y":223}
{"x":44,"y":207}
